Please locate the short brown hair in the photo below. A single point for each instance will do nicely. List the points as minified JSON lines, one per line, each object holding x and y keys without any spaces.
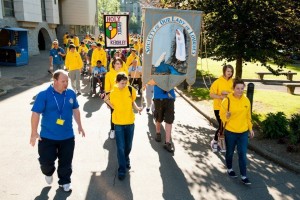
{"x":57,"y":73}
{"x":238,"y":81}
{"x":121,"y":76}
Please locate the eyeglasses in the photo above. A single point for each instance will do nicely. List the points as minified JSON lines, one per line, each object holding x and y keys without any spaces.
{"x":55,"y":44}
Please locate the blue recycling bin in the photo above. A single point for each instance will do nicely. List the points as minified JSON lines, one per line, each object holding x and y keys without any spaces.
{"x":13,"y":47}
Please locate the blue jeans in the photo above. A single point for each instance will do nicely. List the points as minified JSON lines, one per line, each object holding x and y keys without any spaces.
{"x":241,"y":141}
{"x":58,"y":66}
{"x":124,"y":137}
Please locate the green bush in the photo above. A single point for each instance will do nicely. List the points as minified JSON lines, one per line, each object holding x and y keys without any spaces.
{"x":275,"y":126}
{"x":294,"y":124}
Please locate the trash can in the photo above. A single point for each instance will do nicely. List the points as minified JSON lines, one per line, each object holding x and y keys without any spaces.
{"x":13,"y":47}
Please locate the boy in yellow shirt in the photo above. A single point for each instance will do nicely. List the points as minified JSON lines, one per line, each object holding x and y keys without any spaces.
{"x":123,"y":102}
{"x":74,"y":64}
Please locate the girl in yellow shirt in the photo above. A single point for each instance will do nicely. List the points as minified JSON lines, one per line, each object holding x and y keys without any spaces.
{"x":235,"y":113}
{"x":110,"y":81}
{"x":218,"y":91}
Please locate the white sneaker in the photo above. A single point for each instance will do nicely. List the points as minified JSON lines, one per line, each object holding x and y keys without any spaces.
{"x":112,"y":134}
{"x":67,"y":187}
{"x":214,"y":145}
{"x":49,"y":179}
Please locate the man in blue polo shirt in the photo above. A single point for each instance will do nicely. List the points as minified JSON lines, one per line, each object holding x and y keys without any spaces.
{"x":164,"y":111}
{"x":56,"y":57}
{"x":57,"y":104}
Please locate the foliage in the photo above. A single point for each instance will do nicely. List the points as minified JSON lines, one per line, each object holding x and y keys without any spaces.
{"x":133,"y":24}
{"x":199,"y":94}
{"x":294,"y":124}
{"x":275,"y":125}
{"x":256,"y":120}
{"x":248,"y":30}
{"x":107,"y":7}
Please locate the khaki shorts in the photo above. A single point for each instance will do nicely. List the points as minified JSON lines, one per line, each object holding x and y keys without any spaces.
{"x":164,"y":110}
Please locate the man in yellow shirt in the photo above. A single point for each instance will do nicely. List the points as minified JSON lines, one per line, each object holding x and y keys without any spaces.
{"x":74,"y":64}
{"x":99,"y":54}
{"x":131,"y":57}
{"x":122,"y":99}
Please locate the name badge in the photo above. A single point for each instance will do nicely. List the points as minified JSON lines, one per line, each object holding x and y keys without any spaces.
{"x":55,"y":56}
{"x":60,"y":122}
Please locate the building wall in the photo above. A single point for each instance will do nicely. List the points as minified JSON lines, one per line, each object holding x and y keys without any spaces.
{"x":78,"y":12}
{"x":28,"y":10}
{"x":52,"y":12}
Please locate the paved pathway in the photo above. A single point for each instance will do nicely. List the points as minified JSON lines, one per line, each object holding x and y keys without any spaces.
{"x":193,"y":172}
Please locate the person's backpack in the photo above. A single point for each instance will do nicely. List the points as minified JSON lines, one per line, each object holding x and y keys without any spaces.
{"x":130,"y":89}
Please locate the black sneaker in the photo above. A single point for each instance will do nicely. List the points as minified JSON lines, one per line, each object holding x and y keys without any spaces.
{"x":246,"y":181}
{"x":232,"y":174}
{"x":158,"y":137}
{"x":169,"y":147}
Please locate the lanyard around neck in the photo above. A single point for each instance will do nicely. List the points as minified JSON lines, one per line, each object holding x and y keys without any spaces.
{"x":60,"y":110}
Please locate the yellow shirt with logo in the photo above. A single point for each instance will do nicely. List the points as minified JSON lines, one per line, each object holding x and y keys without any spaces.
{"x":218,"y":86}
{"x":240,"y":109}
{"x":122,"y":100}
{"x":73,"y":61}
{"x":99,"y":55}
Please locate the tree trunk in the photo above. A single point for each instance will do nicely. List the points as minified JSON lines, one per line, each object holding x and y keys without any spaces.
{"x":239,"y":67}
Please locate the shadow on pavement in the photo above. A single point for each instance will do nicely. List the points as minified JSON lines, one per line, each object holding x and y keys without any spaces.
{"x":44,"y":194}
{"x":196,"y":142}
{"x":105,"y":184}
{"x":175,"y":185}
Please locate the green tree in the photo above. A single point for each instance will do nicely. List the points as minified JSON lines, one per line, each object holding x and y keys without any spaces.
{"x":133,"y":24}
{"x":107,"y":7}
{"x":248,"y":30}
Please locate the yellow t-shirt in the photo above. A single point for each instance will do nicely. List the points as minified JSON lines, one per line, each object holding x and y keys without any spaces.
{"x":240,"y":109}
{"x":99,"y":55}
{"x":122,"y":100}
{"x":83,"y":48}
{"x":73,"y":61}
{"x":218,"y":86}
{"x":131,"y":58}
{"x":76,"y":41}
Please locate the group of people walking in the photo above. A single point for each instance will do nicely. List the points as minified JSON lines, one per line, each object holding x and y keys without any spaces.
{"x":58,"y":105}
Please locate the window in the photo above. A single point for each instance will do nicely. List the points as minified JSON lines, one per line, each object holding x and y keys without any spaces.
{"x":43,"y":10}
{"x":8,"y":8}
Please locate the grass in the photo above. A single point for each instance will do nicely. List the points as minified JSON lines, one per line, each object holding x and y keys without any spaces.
{"x":265,"y":101}
{"x":215,"y":68}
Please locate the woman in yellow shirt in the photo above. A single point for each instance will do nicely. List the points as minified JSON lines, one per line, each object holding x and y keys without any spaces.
{"x":110,"y":81}
{"x":235,"y":113}
{"x":218,"y":91}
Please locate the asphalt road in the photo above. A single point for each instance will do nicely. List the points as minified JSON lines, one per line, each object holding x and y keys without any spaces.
{"x":192,"y":172}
